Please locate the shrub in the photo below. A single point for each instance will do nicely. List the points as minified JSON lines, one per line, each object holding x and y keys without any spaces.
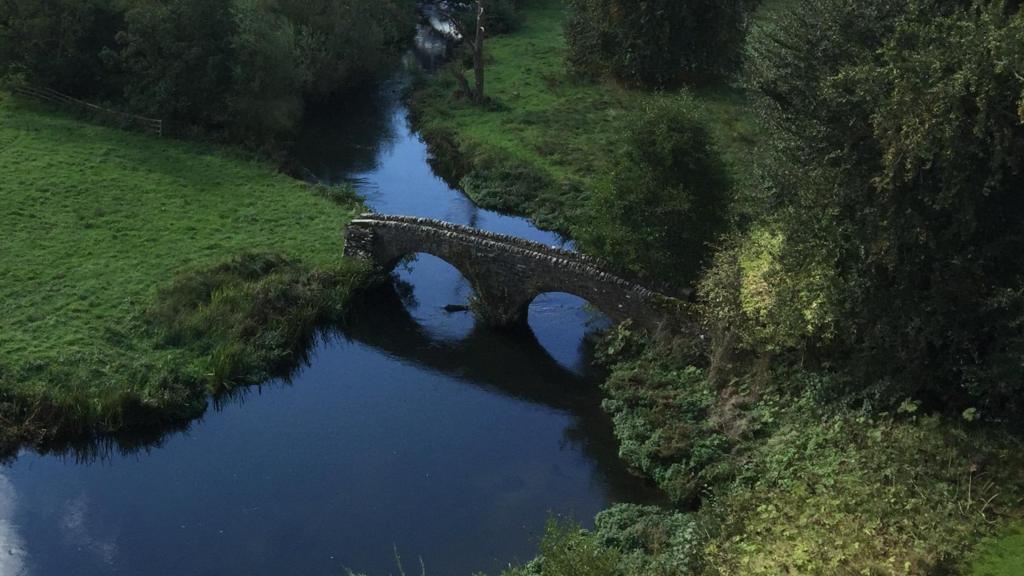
{"x":857,"y":493}
{"x":653,"y":541}
{"x":568,"y":550}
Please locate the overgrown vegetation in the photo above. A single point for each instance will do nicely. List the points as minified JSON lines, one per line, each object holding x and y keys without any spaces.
{"x":242,"y":68}
{"x":892,"y":218}
{"x":139,"y":275}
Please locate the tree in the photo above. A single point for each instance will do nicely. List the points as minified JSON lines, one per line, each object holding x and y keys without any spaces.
{"x":237,"y":67}
{"x":177,"y":58}
{"x":59,"y":44}
{"x":656,"y":43}
{"x":897,"y":177}
{"x":266,"y":99}
{"x":478,"y":35}
{"x":667,"y":200}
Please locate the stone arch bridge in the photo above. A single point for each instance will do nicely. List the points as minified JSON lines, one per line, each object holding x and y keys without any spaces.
{"x":505,"y":272}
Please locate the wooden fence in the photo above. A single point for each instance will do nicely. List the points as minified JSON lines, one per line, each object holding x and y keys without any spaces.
{"x":151,"y":125}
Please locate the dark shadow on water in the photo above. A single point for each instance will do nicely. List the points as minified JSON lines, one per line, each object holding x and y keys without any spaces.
{"x":509,"y":363}
{"x":346,"y":135}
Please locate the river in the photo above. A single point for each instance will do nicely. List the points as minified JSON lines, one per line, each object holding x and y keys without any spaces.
{"x":412,"y":431}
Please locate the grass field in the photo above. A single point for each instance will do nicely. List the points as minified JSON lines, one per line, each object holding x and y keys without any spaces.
{"x":1002,"y":555}
{"x":548,"y":139}
{"x":95,"y":223}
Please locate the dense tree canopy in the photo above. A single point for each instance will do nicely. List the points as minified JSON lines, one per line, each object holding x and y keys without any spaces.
{"x":655,"y":42}
{"x":893,"y":226}
{"x":244,"y":67}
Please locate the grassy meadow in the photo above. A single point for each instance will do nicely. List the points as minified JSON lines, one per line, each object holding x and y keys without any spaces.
{"x":97,"y":225}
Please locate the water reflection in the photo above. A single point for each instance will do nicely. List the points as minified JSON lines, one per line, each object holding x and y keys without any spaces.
{"x":13,"y":556}
{"x":566,"y":326}
{"x":408,"y":427}
{"x":431,"y":50}
{"x":428,"y":288}
{"x":515,"y":365}
{"x":454,"y":449}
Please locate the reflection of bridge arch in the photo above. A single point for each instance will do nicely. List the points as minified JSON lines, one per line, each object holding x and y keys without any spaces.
{"x":506,"y":272}
{"x":510,"y":363}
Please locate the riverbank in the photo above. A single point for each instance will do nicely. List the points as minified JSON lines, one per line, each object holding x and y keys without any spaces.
{"x":139,"y":275}
{"x":546,"y":141}
{"x":770,"y":476}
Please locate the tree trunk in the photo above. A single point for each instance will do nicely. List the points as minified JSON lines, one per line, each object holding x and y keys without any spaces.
{"x":478,"y":54}
{"x":464,"y":89}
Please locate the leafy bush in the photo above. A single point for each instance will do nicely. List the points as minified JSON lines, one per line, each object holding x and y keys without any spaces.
{"x":667,"y":200}
{"x":568,"y":550}
{"x":653,"y":541}
{"x":660,"y":416}
{"x":655,"y":43}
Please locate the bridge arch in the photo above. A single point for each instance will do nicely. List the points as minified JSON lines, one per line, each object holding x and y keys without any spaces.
{"x":428,"y":288}
{"x":393,"y":262}
{"x":565,"y":326}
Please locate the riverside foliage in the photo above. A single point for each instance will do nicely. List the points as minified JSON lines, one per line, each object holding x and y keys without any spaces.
{"x":242,"y":68}
{"x":655,"y":43}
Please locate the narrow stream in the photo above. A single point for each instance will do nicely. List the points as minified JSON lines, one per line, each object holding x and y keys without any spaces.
{"x":415,"y":431}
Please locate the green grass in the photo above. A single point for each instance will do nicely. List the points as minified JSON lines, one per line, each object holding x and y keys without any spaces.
{"x":562,"y":132}
{"x":95,"y":223}
{"x":1002,"y":555}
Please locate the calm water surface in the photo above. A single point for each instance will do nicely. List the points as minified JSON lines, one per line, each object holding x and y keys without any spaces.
{"x":413,"y":430}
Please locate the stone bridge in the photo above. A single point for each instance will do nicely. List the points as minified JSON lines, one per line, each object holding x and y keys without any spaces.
{"x":505,"y":272}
